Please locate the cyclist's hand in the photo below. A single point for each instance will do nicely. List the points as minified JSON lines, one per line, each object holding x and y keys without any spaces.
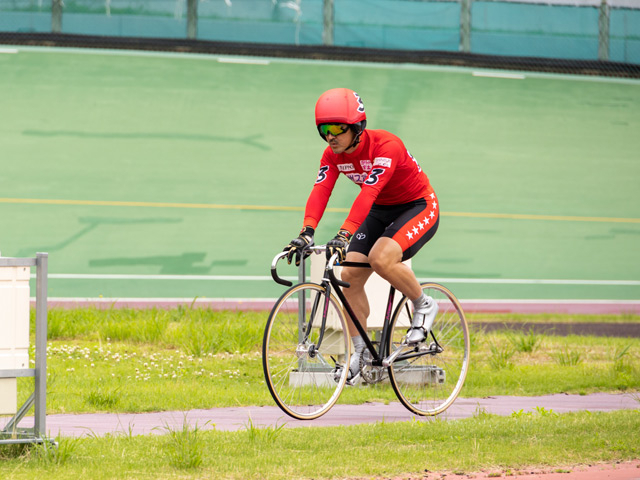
{"x":339,"y":244}
{"x":295,"y":247}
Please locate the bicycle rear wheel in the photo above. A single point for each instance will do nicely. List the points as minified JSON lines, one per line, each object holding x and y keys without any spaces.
{"x":427,"y":378}
{"x":298,"y":370}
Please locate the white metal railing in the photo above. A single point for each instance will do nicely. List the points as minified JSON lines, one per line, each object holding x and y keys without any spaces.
{"x":11,"y":432}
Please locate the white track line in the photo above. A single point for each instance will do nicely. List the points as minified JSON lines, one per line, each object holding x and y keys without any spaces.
{"x":243,"y":61}
{"x":512,"y":76}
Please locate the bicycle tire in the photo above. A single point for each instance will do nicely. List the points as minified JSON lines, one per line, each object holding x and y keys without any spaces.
{"x":428,"y":384}
{"x":300,"y":378}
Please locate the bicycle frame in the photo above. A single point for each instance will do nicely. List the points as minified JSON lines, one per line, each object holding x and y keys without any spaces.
{"x":383,"y":353}
{"x":333,"y":282}
{"x":301,"y":364}
{"x":329,"y":282}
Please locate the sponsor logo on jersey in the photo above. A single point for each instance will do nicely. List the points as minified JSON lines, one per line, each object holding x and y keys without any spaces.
{"x":346,"y":167}
{"x":358,"y":178}
{"x":366,"y":165}
{"x":382,"y":161}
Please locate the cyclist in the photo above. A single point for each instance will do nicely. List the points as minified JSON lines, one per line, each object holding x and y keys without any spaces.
{"x":393,"y":216}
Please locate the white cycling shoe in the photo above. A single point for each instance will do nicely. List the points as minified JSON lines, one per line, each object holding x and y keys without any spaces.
{"x":354,"y":370}
{"x":423,"y":318}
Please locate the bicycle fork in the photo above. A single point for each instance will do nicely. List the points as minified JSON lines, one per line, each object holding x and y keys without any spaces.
{"x":314,"y":348}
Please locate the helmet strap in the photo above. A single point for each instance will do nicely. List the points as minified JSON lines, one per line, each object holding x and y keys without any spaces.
{"x":358,"y":128}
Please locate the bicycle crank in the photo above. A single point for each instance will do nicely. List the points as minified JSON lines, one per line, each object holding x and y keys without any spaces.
{"x":368,"y":372}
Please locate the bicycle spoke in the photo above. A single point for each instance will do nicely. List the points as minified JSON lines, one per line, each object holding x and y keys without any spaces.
{"x":297,"y":373}
{"x":427,"y":384}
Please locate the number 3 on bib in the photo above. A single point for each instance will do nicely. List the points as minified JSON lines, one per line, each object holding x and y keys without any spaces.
{"x":374,"y":176}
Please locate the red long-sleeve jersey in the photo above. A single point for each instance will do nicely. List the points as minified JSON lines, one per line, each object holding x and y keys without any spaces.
{"x":383,"y":168}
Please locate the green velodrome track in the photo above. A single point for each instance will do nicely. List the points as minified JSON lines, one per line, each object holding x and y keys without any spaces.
{"x":158,"y":175}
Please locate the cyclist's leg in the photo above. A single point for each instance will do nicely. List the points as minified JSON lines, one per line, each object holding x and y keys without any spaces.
{"x":369,"y":231}
{"x":411,"y":230}
{"x":386,"y":260}
{"x":357,"y":298}
{"x":356,"y":295}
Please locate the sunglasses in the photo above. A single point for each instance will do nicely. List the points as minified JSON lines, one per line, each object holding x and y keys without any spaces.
{"x":333,"y":129}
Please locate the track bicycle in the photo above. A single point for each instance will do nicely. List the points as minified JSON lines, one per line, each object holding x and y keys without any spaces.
{"x":306,"y":347}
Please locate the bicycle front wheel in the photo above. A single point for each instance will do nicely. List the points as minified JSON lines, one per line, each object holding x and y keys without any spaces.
{"x":299,"y":357}
{"x":427,"y":378}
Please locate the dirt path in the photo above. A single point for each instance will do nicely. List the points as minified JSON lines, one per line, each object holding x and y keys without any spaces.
{"x":617,"y":471}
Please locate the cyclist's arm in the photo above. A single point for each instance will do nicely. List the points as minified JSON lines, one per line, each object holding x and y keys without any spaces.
{"x":319,"y":197}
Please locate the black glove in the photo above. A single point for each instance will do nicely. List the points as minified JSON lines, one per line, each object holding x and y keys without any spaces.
{"x":339,"y":244}
{"x":296,"y":245}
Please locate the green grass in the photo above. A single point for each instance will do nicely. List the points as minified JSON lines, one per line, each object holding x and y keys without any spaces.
{"x":145,"y":360}
{"x":379,"y":450}
{"x":549,"y":318}
{"x":197,"y":331}
{"x":126,"y":360}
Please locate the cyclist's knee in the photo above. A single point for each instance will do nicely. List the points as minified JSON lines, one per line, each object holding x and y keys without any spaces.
{"x":382,"y":263}
{"x":356,"y":277}
{"x":385,"y":255}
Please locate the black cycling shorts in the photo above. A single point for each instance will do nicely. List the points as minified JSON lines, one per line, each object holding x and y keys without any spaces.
{"x":410,"y":224}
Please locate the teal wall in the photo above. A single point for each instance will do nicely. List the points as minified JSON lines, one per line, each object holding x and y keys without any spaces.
{"x":497,"y":28}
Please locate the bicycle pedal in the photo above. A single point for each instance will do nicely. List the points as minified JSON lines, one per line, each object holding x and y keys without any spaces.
{"x":337,"y":373}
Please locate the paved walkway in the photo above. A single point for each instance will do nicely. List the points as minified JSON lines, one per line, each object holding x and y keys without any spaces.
{"x":230,"y":419}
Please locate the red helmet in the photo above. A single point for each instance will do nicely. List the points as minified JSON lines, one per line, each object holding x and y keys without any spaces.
{"x":340,"y":105}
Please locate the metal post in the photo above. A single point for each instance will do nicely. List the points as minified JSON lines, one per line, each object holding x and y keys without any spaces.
{"x":328,"y":15}
{"x":192,"y":19}
{"x":603,"y":31}
{"x":41,"y":345}
{"x":465,"y":25}
{"x":56,"y":16}
{"x":11,"y":433}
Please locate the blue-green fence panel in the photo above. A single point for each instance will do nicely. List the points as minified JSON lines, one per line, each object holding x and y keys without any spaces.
{"x":534,"y":30}
{"x":497,"y":27}
{"x":257,"y":21}
{"x":624,"y":30}
{"x":404,"y":25}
